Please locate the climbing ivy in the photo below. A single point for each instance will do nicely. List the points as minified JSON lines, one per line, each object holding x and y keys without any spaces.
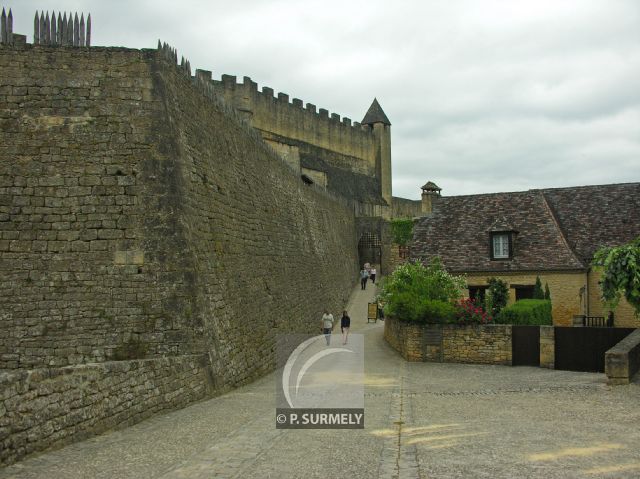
{"x":402,"y":230}
{"x":620,"y":274}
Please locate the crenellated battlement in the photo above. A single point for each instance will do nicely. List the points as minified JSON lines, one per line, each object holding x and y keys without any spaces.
{"x":297,"y":135}
{"x":277,"y":114}
{"x":231,"y":88}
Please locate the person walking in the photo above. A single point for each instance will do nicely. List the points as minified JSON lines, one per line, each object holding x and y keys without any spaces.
{"x":327,"y":326}
{"x":364,"y":277}
{"x":345,"y":324}
{"x":380,"y":310}
{"x":372,"y":275}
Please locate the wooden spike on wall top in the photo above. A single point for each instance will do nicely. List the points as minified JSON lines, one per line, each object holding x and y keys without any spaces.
{"x":54,"y":29}
{"x":36,"y":29}
{"x":3,"y":27}
{"x":88,"y":38}
{"x":82,"y":33}
{"x":47,"y":30}
{"x":42,"y":27}
{"x":9,"y":27}
{"x":76,"y":31}
{"x":69,"y":40}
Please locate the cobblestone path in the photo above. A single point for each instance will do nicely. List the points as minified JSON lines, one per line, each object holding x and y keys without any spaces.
{"x":423,"y":420}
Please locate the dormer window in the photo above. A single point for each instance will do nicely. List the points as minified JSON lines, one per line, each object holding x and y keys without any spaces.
{"x":501,"y":239}
{"x":501,"y":245}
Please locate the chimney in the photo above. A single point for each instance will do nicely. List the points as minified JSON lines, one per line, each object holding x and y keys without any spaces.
{"x":430,"y":195}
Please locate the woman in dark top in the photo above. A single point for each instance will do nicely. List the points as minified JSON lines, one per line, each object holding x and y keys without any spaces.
{"x":345,"y":324}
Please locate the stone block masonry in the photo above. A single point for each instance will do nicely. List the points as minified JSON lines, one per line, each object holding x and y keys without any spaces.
{"x":476,"y":344}
{"x":472,"y":344}
{"x":622,"y":362}
{"x":139,"y":220}
{"x":77,"y":155}
{"x":547,"y":347}
{"x":45,"y":408}
{"x":271,"y":252}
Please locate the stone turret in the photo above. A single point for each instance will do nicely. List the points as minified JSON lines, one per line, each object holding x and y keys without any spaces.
{"x":430,"y":195}
{"x":381,"y":126}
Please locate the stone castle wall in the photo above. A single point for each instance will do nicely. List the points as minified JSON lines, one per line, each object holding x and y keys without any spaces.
{"x":51,"y":407}
{"x":94,"y":264}
{"x":272,"y":253}
{"x":292,"y":119}
{"x":311,"y":139}
{"x":404,"y":208}
{"x":136,"y":215}
{"x":140,"y":219}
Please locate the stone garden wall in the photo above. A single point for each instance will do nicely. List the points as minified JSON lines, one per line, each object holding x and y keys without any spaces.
{"x":475,"y":344}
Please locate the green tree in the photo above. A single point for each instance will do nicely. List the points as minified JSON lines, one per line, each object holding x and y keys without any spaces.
{"x":547,"y":292}
{"x":620,"y":274}
{"x":497,"y":295}
{"x":538,"y":293}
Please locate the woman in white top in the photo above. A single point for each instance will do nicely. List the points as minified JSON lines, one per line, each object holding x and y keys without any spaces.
{"x":327,"y":325}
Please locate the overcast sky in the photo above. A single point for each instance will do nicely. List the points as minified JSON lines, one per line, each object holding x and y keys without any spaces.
{"x":483,"y":96}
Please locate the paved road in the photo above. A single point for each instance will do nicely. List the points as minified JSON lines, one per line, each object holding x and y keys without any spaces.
{"x":422,"y":421}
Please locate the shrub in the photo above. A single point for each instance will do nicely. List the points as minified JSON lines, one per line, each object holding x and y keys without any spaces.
{"x":435,"y":311}
{"x":527,"y":312}
{"x":497,"y":295}
{"x":414,"y":292}
{"x":538,"y":292}
{"x":547,"y":293}
{"x":408,"y":308}
{"x":470,"y":311}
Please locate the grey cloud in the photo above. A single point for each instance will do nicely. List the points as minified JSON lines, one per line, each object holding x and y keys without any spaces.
{"x":483,"y":96}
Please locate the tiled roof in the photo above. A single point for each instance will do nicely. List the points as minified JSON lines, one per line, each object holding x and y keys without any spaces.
{"x":595,"y":216}
{"x":558,"y":229}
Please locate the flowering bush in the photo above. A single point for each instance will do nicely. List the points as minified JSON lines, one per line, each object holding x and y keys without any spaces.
{"x":468,"y":311}
{"x":414,"y":292}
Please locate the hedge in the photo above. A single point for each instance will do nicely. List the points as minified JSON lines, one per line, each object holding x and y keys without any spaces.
{"x":526,"y":312}
{"x":431,"y":311}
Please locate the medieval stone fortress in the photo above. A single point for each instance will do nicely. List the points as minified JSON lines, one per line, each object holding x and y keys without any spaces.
{"x":159,"y":227}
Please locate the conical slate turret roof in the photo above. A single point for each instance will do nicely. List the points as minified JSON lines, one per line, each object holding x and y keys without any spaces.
{"x":375,"y":115}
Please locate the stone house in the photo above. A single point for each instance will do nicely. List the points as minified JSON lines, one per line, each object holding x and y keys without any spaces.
{"x":550,"y":233}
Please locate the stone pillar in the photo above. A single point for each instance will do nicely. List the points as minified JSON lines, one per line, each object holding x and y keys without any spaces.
{"x":547,"y":347}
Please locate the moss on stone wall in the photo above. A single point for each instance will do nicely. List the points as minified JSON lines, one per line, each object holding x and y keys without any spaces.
{"x":134,"y":206}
